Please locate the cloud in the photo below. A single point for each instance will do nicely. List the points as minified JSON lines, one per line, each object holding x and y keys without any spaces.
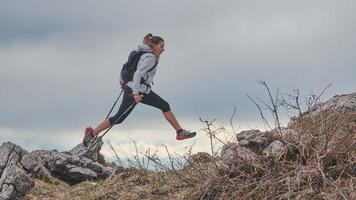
{"x":59,"y":61}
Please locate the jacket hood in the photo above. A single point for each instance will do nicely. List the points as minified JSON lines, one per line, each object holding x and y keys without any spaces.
{"x":144,"y":47}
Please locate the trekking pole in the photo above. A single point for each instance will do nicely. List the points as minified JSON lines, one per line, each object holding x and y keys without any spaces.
{"x":107,"y":116}
{"x":96,"y":139}
{"x":114,"y":104}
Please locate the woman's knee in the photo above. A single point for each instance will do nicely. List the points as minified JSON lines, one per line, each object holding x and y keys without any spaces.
{"x":114,"y":120}
{"x":165,"y":107}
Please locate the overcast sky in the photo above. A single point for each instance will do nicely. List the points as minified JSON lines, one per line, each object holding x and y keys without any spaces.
{"x":60,"y":61}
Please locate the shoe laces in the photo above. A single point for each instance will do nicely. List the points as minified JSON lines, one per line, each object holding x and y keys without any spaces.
{"x":185,"y":132}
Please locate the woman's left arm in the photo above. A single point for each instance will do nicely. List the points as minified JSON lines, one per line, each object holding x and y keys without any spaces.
{"x":146,"y":62}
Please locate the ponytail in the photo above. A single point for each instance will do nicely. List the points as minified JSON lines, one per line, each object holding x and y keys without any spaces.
{"x":151,"y":40}
{"x":147,"y":39}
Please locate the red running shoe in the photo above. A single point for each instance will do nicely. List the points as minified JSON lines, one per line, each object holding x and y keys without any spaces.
{"x":88,"y":136}
{"x":184,"y":134}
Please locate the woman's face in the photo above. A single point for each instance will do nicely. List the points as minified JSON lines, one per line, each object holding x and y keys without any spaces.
{"x":158,"y":48}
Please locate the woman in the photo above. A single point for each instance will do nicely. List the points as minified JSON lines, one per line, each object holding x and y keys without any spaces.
{"x":139,"y":90}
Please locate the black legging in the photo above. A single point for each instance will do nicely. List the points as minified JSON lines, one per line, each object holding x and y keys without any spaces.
{"x":151,"y":99}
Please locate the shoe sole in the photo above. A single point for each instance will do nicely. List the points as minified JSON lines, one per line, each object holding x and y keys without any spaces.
{"x":185,"y":137}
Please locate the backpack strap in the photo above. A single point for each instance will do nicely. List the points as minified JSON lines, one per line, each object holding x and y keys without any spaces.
{"x":154,"y":66}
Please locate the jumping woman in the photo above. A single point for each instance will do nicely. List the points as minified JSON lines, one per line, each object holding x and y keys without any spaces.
{"x":139,"y":90}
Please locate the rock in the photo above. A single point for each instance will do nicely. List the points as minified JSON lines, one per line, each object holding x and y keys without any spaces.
{"x":275,"y":149}
{"x":70,"y":168}
{"x":239,"y":159}
{"x":233,"y":151}
{"x":291,"y":135}
{"x":93,"y":154}
{"x":80,"y":173}
{"x":258,"y":141}
{"x":18,"y":167}
{"x":243,"y":142}
{"x":228,"y":149}
{"x":250,"y":135}
{"x":254,"y":140}
{"x":14,"y":181}
{"x":33,"y":165}
{"x":286,"y":134}
{"x":343,"y":103}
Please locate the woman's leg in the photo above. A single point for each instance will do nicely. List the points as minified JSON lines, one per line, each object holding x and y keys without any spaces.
{"x":119,"y":117}
{"x":102,"y":126}
{"x":152,"y":99}
{"x":172,"y":120}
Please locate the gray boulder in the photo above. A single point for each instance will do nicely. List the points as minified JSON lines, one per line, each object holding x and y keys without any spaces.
{"x":14,"y":181}
{"x":255,"y":140}
{"x":259,"y":142}
{"x":71,"y":168}
{"x":18,"y":167}
{"x":81,"y":149}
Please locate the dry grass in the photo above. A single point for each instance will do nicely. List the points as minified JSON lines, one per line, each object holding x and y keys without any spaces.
{"x":320,"y":164}
{"x":130,"y":184}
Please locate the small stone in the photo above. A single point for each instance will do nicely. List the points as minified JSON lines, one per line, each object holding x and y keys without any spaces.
{"x":275,"y":149}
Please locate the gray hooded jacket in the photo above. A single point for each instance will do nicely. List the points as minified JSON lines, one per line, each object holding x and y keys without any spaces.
{"x":146,"y":62}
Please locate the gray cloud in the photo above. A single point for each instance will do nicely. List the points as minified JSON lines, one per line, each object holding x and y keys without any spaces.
{"x":59,"y":61}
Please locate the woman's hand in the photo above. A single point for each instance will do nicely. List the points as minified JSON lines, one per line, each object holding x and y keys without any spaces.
{"x":137,"y":98}
{"x":122,"y":83}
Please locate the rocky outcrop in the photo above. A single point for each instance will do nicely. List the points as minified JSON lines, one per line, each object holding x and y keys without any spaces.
{"x":14,"y":181}
{"x":343,"y":103}
{"x":71,"y":168}
{"x":18,"y":168}
{"x":268,"y":143}
{"x":275,"y":142}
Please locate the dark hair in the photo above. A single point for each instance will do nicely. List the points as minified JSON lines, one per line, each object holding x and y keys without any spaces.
{"x":151,"y":40}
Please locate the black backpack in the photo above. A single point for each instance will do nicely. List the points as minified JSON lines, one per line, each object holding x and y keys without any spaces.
{"x":129,"y":68}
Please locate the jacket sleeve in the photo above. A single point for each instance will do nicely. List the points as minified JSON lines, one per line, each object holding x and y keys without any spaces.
{"x":146,"y":62}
